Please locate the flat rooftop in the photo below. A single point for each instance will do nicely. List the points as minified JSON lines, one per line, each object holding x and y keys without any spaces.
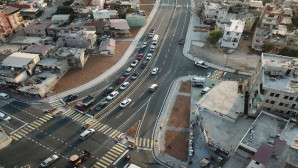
{"x":264,"y":127}
{"x":224,"y":99}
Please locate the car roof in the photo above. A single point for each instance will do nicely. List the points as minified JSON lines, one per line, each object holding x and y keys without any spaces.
{"x":2,"y":114}
{"x":3,"y":94}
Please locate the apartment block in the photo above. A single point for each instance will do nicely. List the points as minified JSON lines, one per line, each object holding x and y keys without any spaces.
{"x":13,"y":16}
{"x":5,"y":27}
{"x":232,"y":34}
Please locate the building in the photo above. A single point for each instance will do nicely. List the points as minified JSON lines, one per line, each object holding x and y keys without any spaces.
{"x":13,"y":16}
{"x":42,"y":50}
{"x":80,"y":39}
{"x":38,"y":28}
{"x":107,"y":47}
{"x":292,"y":39}
{"x":232,"y":34}
{"x":5,"y":28}
{"x":60,"y":18}
{"x":17,"y":67}
{"x":250,"y":19}
{"x":136,"y":19}
{"x":101,"y":20}
{"x":214,"y":11}
{"x":21,"y":4}
{"x":75,"y":56}
{"x":119,"y":28}
{"x":29,"y":12}
{"x":273,"y":16}
{"x":273,"y":86}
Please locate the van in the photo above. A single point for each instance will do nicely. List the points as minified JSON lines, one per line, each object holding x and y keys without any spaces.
{"x":199,"y":79}
{"x":4,"y":96}
{"x":86,"y":134}
{"x":205,"y":90}
{"x":155,"y":39}
{"x":153,"y":87}
{"x":127,"y":71}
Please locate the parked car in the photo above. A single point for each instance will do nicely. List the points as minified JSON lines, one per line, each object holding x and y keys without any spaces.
{"x":101,"y":105}
{"x":49,"y":160}
{"x":125,"y":102}
{"x":124,"y":85}
{"x":134,"y":63}
{"x":120,"y":80}
{"x":108,"y":91}
{"x":154,"y":71}
{"x":144,"y":44}
{"x":70,"y":98}
{"x":4,"y":117}
{"x":112,"y":95}
{"x":135,"y":75}
{"x":141,"y":50}
{"x":4,"y":96}
{"x":144,"y":64}
{"x":181,"y":41}
{"x":140,"y":56}
{"x":149,"y":56}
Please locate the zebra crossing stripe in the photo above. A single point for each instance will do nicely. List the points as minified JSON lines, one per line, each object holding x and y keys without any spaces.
{"x":36,"y":123}
{"x":152,"y":142}
{"x":103,"y":130}
{"x":104,"y":166}
{"x":114,"y":136}
{"x":31,"y":126}
{"x":99,"y":126}
{"x":124,"y":146}
{"x":17,"y":135}
{"x":102,"y":127}
{"x":144,"y":142}
{"x":26,"y":128}
{"x":49,"y":115}
{"x":71,"y":113}
{"x":95,"y":126}
{"x":106,"y":163}
{"x":114,"y":151}
{"x":120,"y":147}
{"x":42,"y":119}
{"x":22,"y":134}
{"x":148,"y":143}
{"x":13,"y":137}
{"x":140,"y":142}
{"x":45,"y":117}
{"x":68,"y":111}
{"x":107,"y":130}
{"x":79,"y":120}
{"x":95,"y":166}
{"x":120,"y":135}
{"x":77,"y":117}
{"x":87,"y":120}
{"x":74,"y":116}
{"x":119,"y":150}
{"x":106,"y":159}
{"x":91,"y":126}
{"x":113,"y":133}
{"x":110,"y":153}
{"x":24,"y":131}
{"x":109,"y":156}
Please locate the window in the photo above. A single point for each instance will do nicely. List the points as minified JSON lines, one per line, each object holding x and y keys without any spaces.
{"x":272,"y":102}
{"x":291,"y":98}
{"x":286,"y":105}
{"x":228,"y":33}
{"x":271,"y":94}
{"x":281,"y":104}
{"x":296,"y":99}
{"x":286,"y":97}
{"x":277,"y":95}
{"x":267,"y":101}
{"x":268,"y":109}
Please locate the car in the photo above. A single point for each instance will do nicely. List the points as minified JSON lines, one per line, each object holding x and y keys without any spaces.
{"x":153,"y":87}
{"x":112,"y":95}
{"x":86,"y":133}
{"x":212,"y":85}
{"x":120,"y":80}
{"x":141,"y":50}
{"x":144,"y":64}
{"x":128,"y":71}
{"x":140,"y":56}
{"x":125,"y":102}
{"x":49,"y":160}
{"x":101,"y":105}
{"x":149,"y":56}
{"x":4,"y":117}
{"x":144,"y":44}
{"x":108,"y":91}
{"x":134,"y":63}
{"x":135,"y":75}
{"x":181,"y":41}
{"x":124,"y":85}
{"x":70,"y":98}
{"x":154,"y":71}
{"x":4,"y":96}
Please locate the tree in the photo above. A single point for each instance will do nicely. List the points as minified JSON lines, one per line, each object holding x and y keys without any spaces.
{"x":131,"y":10}
{"x":295,"y":21}
{"x":268,"y":46}
{"x":214,"y":36}
{"x":64,"y":10}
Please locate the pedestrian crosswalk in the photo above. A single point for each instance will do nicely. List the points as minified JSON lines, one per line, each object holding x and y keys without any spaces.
{"x":57,"y":103}
{"x":17,"y":135}
{"x":216,"y":74}
{"x":109,"y":158}
{"x":76,"y":116}
{"x":144,"y":143}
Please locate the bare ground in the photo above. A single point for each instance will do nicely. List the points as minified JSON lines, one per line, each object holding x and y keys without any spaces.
{"x":132,"y":130}
{"x":147,"y":7}
{"x":176,"y":144}
{"x":180,"y":112}
{"x":185,"y":87}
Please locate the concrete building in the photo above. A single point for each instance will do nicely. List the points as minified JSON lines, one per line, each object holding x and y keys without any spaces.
{"x":273,"y":16}
{"x":269,"y":142}
{"x":273,"y":86}
{"x":107,"y":47}
{"x":136,"y":19}
{"x":17,"y":67}
{"x":38,"y":28}
{"x":46,"y":74}
{"x":214,"y":11}
{"x":29,"y":12}
{"x":75,"y":57}
{"x":80,"y":39}
{"x":21,"y":4}
{"x":102,"y":20}
{"x":292,"y":39}
{"x":250,"y":19}
{"x":42,"y":50}
{"x":5,"y":28}
{"x":232,"y":34}
{"x":119,"y":28}
{"x":60,"y":18}
{"x":13,"y":16}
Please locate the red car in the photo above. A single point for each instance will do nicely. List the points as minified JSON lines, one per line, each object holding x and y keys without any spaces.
{"x":144,"y":64}
{"x":120,"y":80}
{"x":140,"y":56}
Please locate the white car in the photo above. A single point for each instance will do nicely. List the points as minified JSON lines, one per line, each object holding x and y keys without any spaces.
{"x":125,"y":102}
{"x":4,"y":117}
{"x":154,"y":71}
{"x":49,"y":160}
{"x":124,"y":85}
{"x":134,"y":63}
{"x":112,"y":95}
{"x":149,"y":56}
{"x":144,"y":44}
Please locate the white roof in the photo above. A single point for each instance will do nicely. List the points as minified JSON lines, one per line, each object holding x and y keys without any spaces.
{"x":236,"y":26}
{"x":60,"y":17}
{"x":19,"y":59}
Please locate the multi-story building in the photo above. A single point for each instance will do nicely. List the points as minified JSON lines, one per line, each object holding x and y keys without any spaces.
{"x":79,"y":39}
{"x":38,"y":28}
{"x":5,"y":28}
{"x":273,"y":86}
{"x":232,"y":34}
{"x":75,"y":56}
{"x":214,"y":11}
{"x":272,"y":16}
{"x":13,"y":16}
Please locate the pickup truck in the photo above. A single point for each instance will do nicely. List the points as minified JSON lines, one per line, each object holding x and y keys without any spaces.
{"x":201,"y":64}
{"x":82,"y":105}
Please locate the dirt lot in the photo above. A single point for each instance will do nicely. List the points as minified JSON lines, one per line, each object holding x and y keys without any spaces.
{"x":176,"y":144}
{"x":185,"y":87}
{"x":180,"y":113}
{"x":147,"y":7}
{"x":95,"y":66}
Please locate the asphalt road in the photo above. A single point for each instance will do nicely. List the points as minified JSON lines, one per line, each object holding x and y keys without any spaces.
{"x":61,"y":135}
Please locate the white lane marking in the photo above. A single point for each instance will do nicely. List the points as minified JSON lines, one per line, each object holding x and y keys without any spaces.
{"x":101,"y":165}
{"x":17,"y":135}
{"x":113,"y":133}
{"x":13,"y":116}
{"x":119,"y":115}
{"x":26,"y":132}
{"x":120,"y":135}
{"x":137,"y":134}
{"x":7,"y":127}
{"x":107,"y":130}
{"x":110,"y":153}
{"x":43,"y":120}
{"x":106,"y":159}
{"x":48,"y":116}
{"x":36,"y":123}
{"x":31,"y":127}
{"x":119,"y":150}
{"x":148,"y":142}
{"x":102,"y":127}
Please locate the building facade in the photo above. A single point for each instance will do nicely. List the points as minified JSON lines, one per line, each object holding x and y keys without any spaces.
{"x":5,"y":28}
{"x":232,"y":34}
{"x":13,"y":16}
